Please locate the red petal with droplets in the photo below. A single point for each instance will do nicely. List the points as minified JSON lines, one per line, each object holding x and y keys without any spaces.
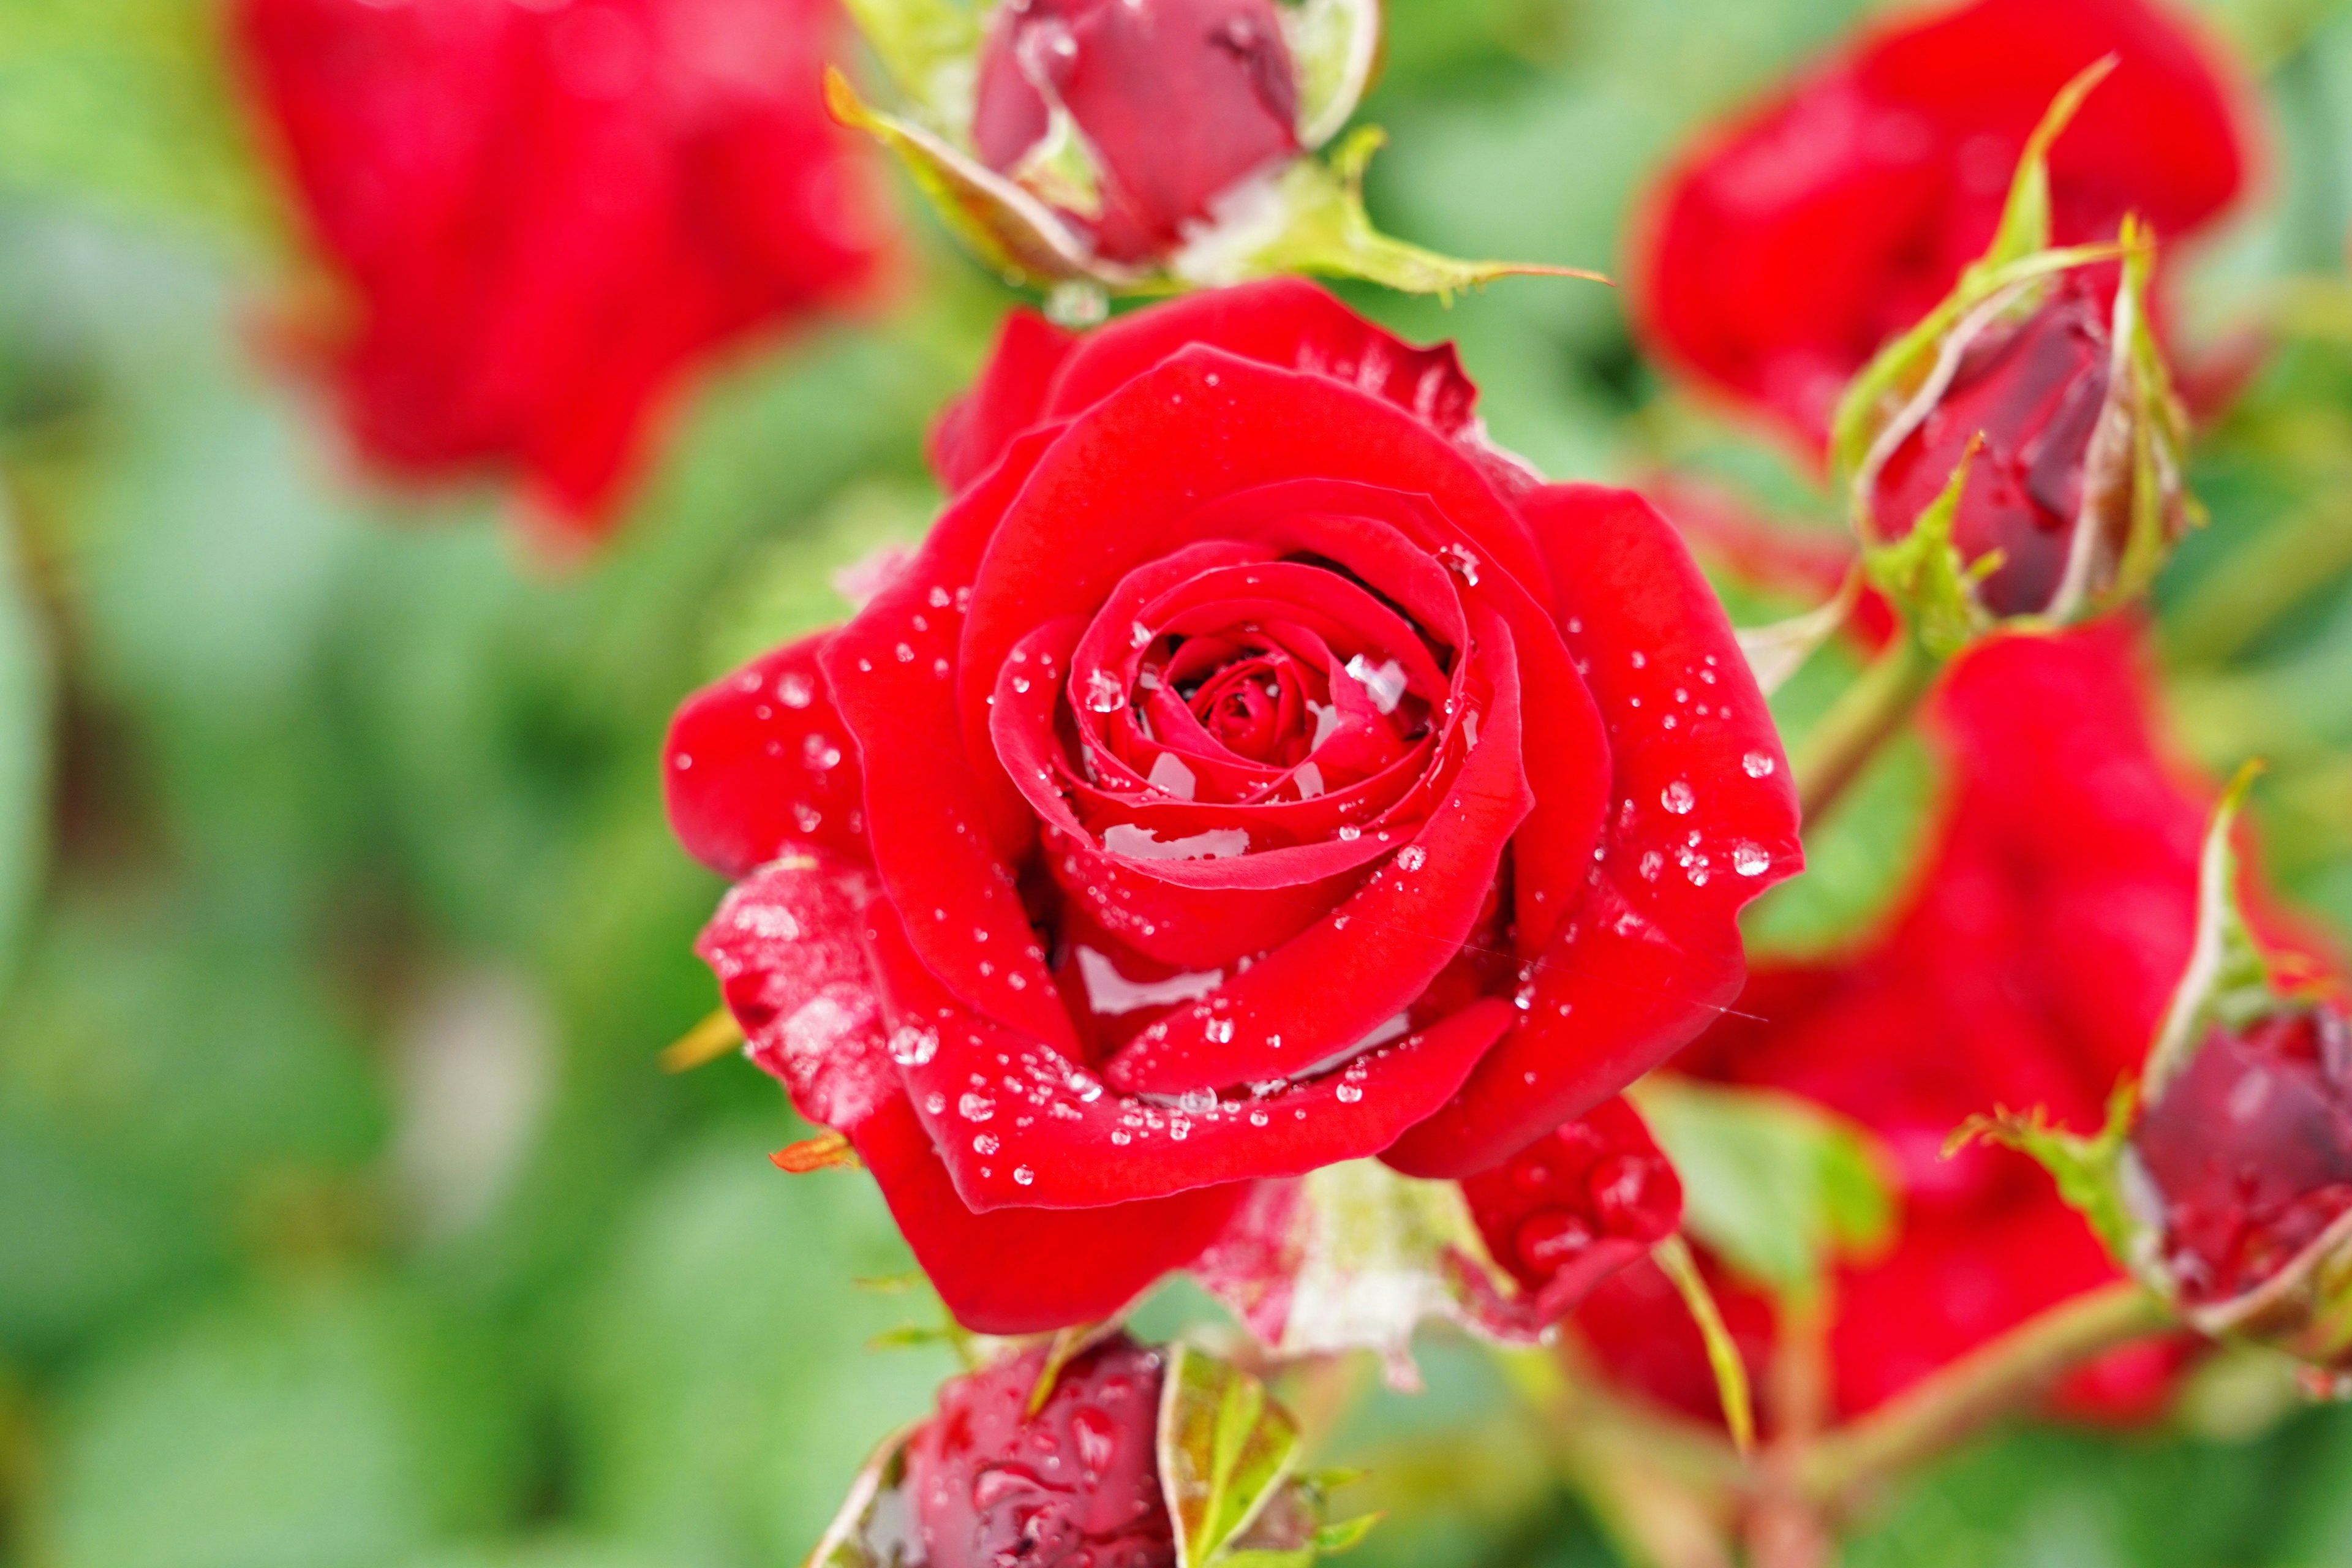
{"x":761,"y":761}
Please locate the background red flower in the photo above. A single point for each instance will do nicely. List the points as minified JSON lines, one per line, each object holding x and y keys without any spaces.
{"x":1784,"y":249}
{"x":548,"y":215}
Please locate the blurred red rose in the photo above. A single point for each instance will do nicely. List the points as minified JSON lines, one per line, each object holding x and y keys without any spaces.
{"x":548,"y":213}
{"x":2031,"y":968}
{"x":1781,"y":252}
{"x":1254,"y":771}
{"x":1178,"y":99}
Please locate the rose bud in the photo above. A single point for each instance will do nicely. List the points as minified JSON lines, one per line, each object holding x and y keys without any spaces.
{"x":1071,"y":1482}
{"x":1101,"y":144}
{"x":1785,"y":248}
{"x":2247,"y":1156}
{"x":547,"y":215}
{"x":2018,"y":454}
{"x":1117,"y":1456}
{"x":1254,"y":772}
{"x":2036,"y":948}
{"x":1575,"y":1205}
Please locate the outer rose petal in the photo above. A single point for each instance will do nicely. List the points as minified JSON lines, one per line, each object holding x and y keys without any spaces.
{"x":761,"y":760}
{"x":1654,"y":953}
{"x":786,"y":945}
{"x":1019,"y":1271}
{"x":1009,"y":397}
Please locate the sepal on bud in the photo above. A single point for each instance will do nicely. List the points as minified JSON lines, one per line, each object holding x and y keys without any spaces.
{"x":2224,"y":1180}
{"x":2062,"y":398}
{"x":1091,"y":203}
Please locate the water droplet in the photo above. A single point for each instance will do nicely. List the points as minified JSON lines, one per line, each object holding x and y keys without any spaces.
{"x":935,"y":1102}
{"x":1640,"y":659}
{"x":1678,"y":798}
{"x":1697,"y":875}
{"x":1751,"y":859}
{"x":1349,"y":833}
{"x":911,"y":1045}
{"x":1219,"y":1031}
{"x":1461,"y":562}
{"x":1348,"y":1093}
{"x":1411,"y":858}
{"x":1258,"y":1118}
{"x":1198,"y":1102}
{"x":1139,"y":634}
{"x":984,"y":1143}
{"x":906,"y":653}
{"x":1759,"y":764}
{"x":1103,"y":693}
{"x":1023,"y":1174}
{"x":1652,"y":864}
{"x":1384,"y":683}
{"x":1021,"y":683}
{"x":976,"y":1107}
{"x":796,"y":689}
{"x":1120,"y":1136}
{"x":1179,"y":1128}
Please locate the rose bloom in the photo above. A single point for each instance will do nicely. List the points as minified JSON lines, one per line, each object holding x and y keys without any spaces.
{"x":2030,"y":967}
{"x":545,"y":215}
{"x":1254,"y":770}
{"x":1115,"y":66}
{"x":1780,"y":252}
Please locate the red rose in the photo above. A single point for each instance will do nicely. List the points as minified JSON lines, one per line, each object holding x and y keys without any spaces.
{"x":1783,"y":251}
{"x":547,"y":213}
{"x":1179,"y":100}
{"x":1076,"y":1484}
{"x":2031,"y":968}
{"x":1254,"y":771}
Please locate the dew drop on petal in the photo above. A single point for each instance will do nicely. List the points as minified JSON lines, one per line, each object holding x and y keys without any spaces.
{"x":1349,"y":833}
{"x":976,"y":1107}
{"x":984,"y":1143}
{"x":911,"y":1045}
{"x":796,"y":689}
{"x":1348,"y":1093}
{"x":1751,"y":859}
{"x":1678,"y":798}
{"x":1411,"y":858}
{"x":1759,"y":764}
{"x":1103,"y":693}
{"x":1023,"y":1174}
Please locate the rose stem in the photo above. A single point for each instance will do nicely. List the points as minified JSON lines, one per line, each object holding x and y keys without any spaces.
{"x":1836,"y":750}
{"x":1999,"y":1377}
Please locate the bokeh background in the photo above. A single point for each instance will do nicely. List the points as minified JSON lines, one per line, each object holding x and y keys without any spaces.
{"x":345,"y":1219}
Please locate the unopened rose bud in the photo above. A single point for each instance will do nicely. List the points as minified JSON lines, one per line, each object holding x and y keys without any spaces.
{"x":2018,"y":454}
{"x":1076,"y":1484}
{"x":1179,"y":100}
{"x":2248,"y":1166}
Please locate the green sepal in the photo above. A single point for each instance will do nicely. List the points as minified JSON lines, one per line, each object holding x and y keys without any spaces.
{"x":852,"y":1540}
{"x":1008,"y":228}
{"x":2228,"y":981}
{"x":1777,"y":1187}
{"x":1225,"y":1450}
{"x":1924,"y":572}
{"x":1335,"y":48}
{"x":1312,"y":219}
{"x":931,"y":49}
{"x":2089,"y":1171}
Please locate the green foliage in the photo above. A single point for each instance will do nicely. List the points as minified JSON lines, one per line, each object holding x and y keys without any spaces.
{"x":1776,"y":1186}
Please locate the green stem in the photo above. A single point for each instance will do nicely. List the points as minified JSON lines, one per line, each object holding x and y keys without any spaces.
{"x":2002,"y":1376}
{"x":1840,"y":746}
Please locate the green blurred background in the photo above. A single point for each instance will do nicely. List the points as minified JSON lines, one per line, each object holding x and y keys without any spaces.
{"x":345,"y":1221}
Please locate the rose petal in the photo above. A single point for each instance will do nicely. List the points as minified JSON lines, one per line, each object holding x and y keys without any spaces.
{"x":761,"y":760}
{"x":1009,"y":397}
{"x":1644,"y":963}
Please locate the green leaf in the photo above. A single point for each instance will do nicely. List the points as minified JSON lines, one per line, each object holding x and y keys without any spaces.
{"x":1774,"y":1186}
{"x":23,"y":746}
{"x":1225,"y":1450}
{"x":2227,"y":980}
{"x":2025,"y":216}
{"x":1315,"y":213}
